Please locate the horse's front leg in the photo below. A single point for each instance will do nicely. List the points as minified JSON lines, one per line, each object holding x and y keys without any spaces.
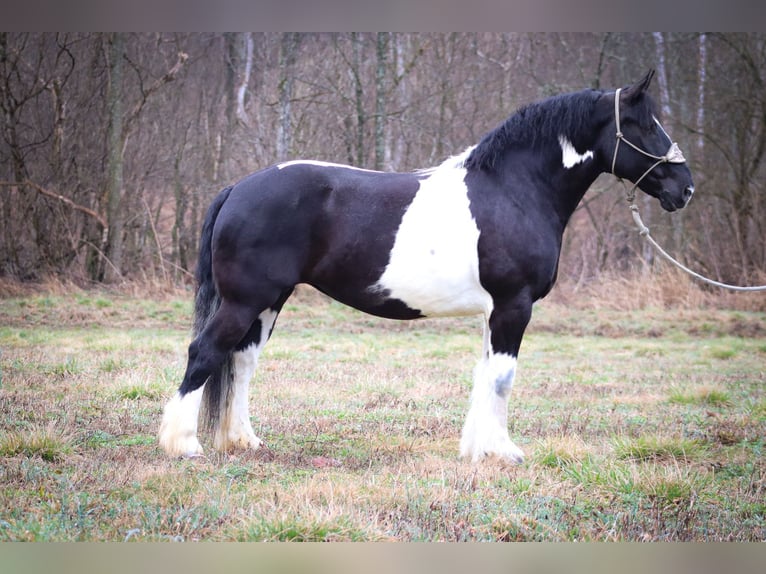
{"x":485,"y":432}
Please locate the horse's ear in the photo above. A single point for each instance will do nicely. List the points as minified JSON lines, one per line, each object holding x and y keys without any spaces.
{"x":638,"y":88}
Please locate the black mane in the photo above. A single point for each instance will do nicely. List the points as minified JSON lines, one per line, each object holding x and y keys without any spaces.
{"x":533,"y":124}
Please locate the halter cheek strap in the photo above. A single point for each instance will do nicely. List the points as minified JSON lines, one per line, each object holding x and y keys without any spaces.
{"x":673,"y":154}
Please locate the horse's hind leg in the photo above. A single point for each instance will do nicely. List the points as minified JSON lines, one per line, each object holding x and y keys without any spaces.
{"x":234,"y":430}
{"x":178,"y":430}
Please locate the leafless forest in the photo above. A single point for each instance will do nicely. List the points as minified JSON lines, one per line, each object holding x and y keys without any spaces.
{"x":112,"y":145}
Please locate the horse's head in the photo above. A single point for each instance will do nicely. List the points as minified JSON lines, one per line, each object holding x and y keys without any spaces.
{"x":643,"y":151}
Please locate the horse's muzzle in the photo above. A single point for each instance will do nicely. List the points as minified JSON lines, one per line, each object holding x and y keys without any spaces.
{"x":673,"y":201}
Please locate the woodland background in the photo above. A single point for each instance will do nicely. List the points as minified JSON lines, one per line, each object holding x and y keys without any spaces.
{"x":113,"y":144}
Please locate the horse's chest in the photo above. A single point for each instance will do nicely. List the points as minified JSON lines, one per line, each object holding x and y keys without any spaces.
{"x":434,"y":263}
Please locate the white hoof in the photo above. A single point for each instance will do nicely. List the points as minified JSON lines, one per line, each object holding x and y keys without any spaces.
{"x":509,"y":452}
{"x":490,"y":442}
{"x":235,"y":433}
{"x":242,"y":440}
{"x":179,"y":445}
{"x":178,"y":430}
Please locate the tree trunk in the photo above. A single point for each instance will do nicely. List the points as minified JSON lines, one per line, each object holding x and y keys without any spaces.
{"x":287,"y":55}
{"x":115,"y":159}
{"x":361,"y":117}
{"x":701,"y":79}
{"x":10,"y":258}
{"x":662,"y":83}
{"x":381,"y":51}
{"x":179,"y":233}
{"x":244,"y":79}
{"x":446,"y":96}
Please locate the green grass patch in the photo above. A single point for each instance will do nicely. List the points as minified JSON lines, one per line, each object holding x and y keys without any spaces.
{"x":69,"y":367}
{"x":293,"y":529}
{"x":114,"y":364}
{"x":140,"y":391}
{"x":758,"y":409}
{"x":658,"y":448}
{"x":561,"y":452}
{"x":48,"y":444}
{"x":707,"y":396}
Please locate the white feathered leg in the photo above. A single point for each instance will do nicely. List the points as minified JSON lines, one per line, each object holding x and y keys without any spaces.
{"x":486,"y":426}
{"x":234,"y":430}
{"x":178,"y":430}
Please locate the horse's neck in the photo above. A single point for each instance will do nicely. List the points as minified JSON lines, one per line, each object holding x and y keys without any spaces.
{"x":569,"y":185}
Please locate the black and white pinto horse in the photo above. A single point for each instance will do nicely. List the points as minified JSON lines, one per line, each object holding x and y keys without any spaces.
{"x":479,"y":234}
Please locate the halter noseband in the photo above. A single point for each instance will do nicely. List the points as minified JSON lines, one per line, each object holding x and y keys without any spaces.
{"x":673,"y":154}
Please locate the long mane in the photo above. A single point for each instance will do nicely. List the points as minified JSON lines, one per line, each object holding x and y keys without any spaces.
{"x":534,"y":124}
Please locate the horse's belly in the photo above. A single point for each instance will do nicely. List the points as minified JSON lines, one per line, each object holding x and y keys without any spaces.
{"x":435,"y":294}
{"x":434,"y":262}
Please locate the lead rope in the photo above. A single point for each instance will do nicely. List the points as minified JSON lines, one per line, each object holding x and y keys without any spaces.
{"x":674,"y":155}
{"x":643,"y":231}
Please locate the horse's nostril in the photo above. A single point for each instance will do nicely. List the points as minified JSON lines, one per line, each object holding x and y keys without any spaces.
{"x":688,"y":192}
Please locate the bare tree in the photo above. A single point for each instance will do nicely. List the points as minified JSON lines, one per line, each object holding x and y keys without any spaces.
{"x":123,"y":120}
{"x":288,"y":53}
{"x":247,"y":40}
{"x":357,"y":47}
{"x":115,"y":142}
{"x":93,"y":137}
{"x":381,"y":53}
{"x":701,"y":79}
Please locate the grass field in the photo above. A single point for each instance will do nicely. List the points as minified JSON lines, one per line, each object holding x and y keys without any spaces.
{"x":645,"y":425}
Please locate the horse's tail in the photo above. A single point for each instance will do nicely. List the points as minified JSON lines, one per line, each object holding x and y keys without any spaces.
{"x":206,"y":303}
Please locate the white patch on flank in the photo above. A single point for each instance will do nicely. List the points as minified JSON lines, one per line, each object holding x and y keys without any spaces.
{"x":234,"y":430}
{"x":486,"y":426}
{"x":178,"y":431}
{"x":285,"y":164}
{"x":569,"y":154}
{"x":434,"y":263}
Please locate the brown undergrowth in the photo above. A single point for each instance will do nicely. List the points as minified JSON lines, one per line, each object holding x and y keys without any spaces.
{"x":664,"y":288}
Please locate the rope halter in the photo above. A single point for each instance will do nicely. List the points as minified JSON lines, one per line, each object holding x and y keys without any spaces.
{"x":673,"y":155}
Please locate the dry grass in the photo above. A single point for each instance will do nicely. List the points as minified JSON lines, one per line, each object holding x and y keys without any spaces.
{"x":639,"y":424}
{"x":665,"y":288}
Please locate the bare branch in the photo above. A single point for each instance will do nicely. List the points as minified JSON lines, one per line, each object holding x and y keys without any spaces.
{"x":166,"y":78}
{"x":59,"y":197}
